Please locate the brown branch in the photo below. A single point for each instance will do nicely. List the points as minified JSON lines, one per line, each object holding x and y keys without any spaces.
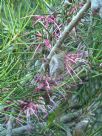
{"x":72,"y":24}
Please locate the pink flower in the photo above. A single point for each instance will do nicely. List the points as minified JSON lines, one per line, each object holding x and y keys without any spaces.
{"x":51,"y":19}
{"x":31,"y":108}
{"x":70,"y":60}
{"x":47,"y":43}
{"x":39,"y":17}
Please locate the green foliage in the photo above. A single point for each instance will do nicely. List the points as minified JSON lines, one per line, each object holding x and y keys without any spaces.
{"x":15,"y":33}
{"x":13,"y":56}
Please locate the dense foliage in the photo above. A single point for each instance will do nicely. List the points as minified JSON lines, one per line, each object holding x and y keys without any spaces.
{"x":30,"y":98}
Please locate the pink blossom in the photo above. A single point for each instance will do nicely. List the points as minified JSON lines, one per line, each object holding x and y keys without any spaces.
{"x":31,"y":108}
{"x":39,"y":17}
{"x":47,"y":43}
{"x":51,"y":19}
{"x":70,"y":61}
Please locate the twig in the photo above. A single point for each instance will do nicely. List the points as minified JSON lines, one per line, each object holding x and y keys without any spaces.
{"x":68,"y":28}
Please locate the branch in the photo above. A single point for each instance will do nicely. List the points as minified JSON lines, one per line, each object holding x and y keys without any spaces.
{"x":72,"y":24}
